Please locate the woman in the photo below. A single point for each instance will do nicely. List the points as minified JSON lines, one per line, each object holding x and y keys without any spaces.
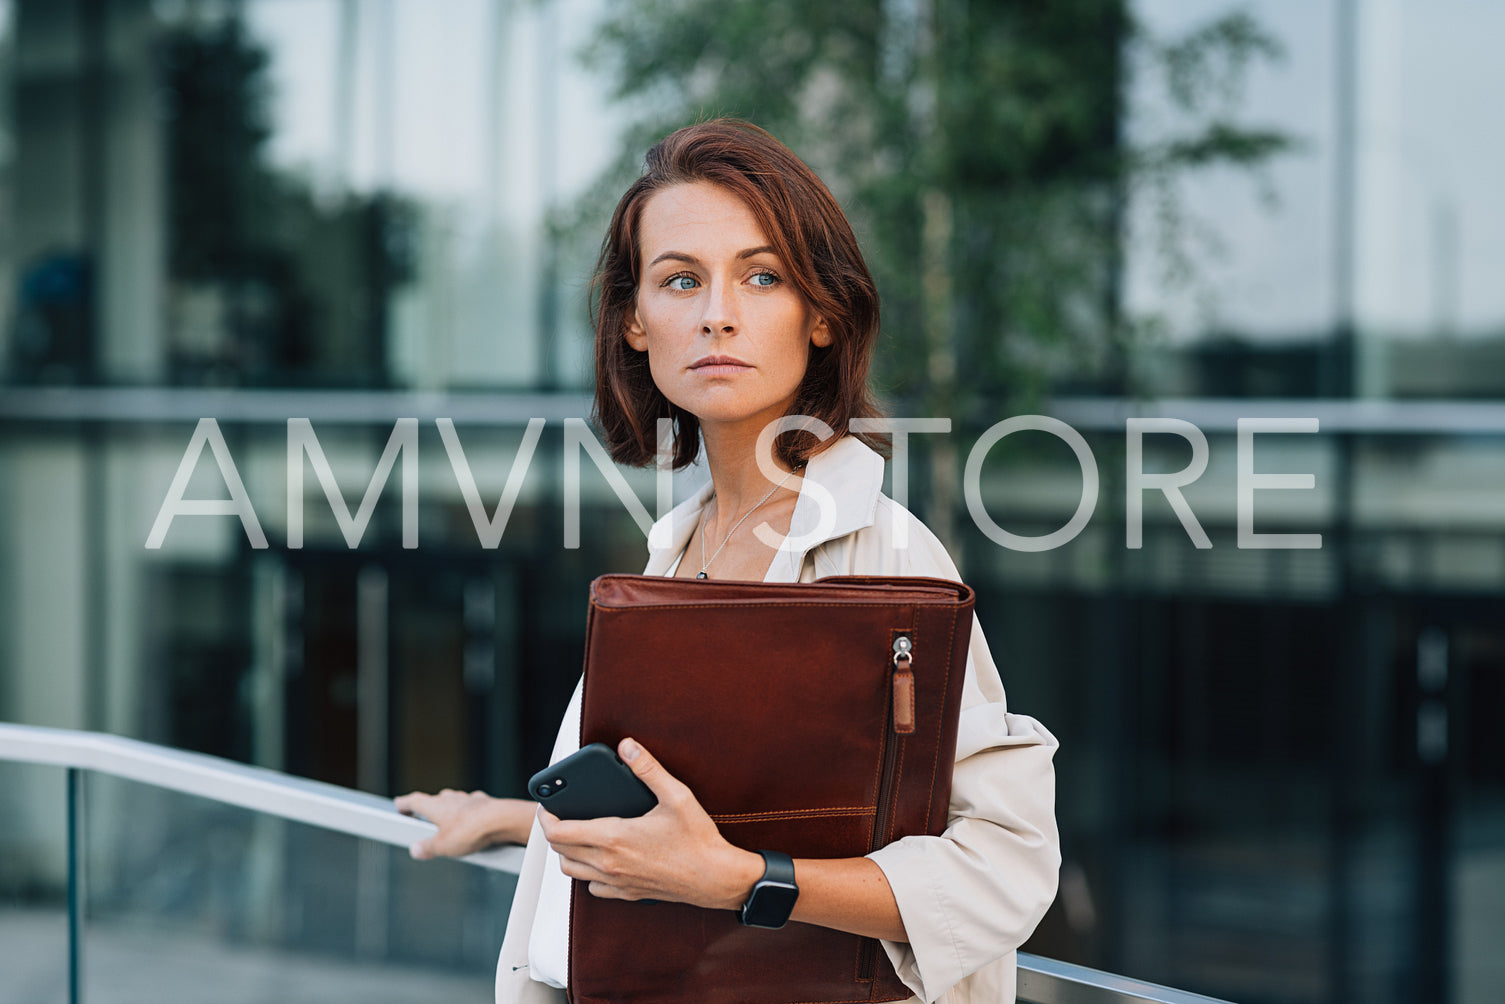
{"x":731,"y":294}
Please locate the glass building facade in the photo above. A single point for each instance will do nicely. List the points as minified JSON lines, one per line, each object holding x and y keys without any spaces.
{"x":1279,"y":779}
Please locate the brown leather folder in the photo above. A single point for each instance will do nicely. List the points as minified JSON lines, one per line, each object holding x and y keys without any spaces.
{"x":793,"y":714}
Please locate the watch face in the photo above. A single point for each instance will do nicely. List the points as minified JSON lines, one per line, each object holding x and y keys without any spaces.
{"x":770,"y":904}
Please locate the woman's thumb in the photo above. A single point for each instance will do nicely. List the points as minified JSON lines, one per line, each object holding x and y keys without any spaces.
{"x":668,"y":789}
{"x":646,"y":767}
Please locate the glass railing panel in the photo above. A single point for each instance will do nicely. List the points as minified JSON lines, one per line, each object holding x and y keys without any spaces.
{"x":123,"y":891}
{"x":190,"y":899}
{"x":33,"y":884}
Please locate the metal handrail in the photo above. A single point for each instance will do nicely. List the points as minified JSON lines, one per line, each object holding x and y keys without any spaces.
{"x":117,"y":406}
{"x":330,"y":807}
{"x":326,"y":806}
{"x":1047,"y":981}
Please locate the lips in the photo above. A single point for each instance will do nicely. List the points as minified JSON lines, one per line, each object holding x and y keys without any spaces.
{"x":719,"y":364}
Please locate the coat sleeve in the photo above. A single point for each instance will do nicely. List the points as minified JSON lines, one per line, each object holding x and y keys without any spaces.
{"x":972,"y":895}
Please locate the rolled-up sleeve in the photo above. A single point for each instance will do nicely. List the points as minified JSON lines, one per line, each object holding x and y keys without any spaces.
{"x":972,"y":895}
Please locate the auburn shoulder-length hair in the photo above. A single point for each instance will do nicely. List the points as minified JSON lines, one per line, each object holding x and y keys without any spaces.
{"x":814,"y":241}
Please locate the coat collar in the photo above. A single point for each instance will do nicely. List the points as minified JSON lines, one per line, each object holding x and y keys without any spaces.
{"x":839,"y":495}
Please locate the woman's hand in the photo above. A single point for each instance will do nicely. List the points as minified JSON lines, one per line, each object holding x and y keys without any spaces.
{"x":673,"y":853}
{"x":467,"y":821}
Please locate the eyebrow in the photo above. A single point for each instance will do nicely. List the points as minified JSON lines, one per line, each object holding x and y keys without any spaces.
{"x":692,"y":260}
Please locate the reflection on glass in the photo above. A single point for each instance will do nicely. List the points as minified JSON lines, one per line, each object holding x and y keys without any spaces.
{"x":189,"y":899}
{"x":1260,"y":797}
{"x":33,"y":884}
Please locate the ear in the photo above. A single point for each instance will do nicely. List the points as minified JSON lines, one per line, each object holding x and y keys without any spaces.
{"x":820,"y":335}
{"x":635,"y":335}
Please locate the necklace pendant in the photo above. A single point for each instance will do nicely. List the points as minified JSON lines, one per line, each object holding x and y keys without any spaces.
{"x":701,"y":575}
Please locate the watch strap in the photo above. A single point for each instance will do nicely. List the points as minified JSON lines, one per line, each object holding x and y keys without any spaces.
{"x":773,"y":896}
{"x":777,"y":867}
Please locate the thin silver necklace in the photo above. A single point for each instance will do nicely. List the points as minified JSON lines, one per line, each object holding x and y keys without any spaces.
{"x":706,"y":562}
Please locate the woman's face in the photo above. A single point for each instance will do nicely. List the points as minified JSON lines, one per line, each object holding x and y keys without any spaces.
{"x":727,"y":334}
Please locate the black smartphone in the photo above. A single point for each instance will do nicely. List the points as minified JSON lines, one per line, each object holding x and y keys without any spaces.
{"x":589,"y":784}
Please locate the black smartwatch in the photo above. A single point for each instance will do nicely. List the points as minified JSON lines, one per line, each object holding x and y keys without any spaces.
{"x":772,"y":897}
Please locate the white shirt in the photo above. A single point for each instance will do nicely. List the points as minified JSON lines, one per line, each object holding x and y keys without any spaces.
{"x":968,"y":897}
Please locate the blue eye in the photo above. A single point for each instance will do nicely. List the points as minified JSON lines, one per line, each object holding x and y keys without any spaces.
{"x":773,"y":280}
{"x":682,"y":282}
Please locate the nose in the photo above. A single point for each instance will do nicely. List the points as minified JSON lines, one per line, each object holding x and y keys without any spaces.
{"x":720,"y":315}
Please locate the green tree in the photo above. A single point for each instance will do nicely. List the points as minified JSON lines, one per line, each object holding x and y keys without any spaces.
{"x":306,"y":282}
{"x":980,"y":149}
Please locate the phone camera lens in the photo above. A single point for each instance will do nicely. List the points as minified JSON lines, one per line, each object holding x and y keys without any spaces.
{"x":543,"y":790}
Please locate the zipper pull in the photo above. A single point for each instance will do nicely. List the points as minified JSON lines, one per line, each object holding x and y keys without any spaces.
{"x":903,"y":685}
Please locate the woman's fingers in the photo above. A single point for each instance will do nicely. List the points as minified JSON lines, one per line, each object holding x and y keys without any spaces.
{"x":576,"y":868}
{"x":412,"y":803}
{"x":674,"y":853}
{"x":463,"y":819}
{"x":669,"y":789}
{"x":573,"y":837}
{"x":603,"y":891}
{"x":601,"y":884}
{"x":425,"y":850}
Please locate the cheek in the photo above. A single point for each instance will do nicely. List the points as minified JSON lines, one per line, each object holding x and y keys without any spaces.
{"x":664,"y":358}
{"x":661,"y":372}
{"x":664,"y":323}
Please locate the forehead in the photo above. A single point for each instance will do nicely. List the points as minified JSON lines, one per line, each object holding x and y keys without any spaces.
{"x":697,"y":218}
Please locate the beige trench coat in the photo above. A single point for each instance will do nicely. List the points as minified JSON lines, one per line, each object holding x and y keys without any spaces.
{"x":968,"y":897}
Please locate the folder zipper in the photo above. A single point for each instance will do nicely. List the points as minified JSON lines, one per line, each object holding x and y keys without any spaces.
{"x":902,"y":718}
{"x":903,"y":702}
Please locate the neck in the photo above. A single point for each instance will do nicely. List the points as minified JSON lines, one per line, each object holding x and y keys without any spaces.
{"x":739,"y":481}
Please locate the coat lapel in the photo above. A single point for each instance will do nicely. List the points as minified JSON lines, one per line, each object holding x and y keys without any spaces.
{"x":838,"y":496}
